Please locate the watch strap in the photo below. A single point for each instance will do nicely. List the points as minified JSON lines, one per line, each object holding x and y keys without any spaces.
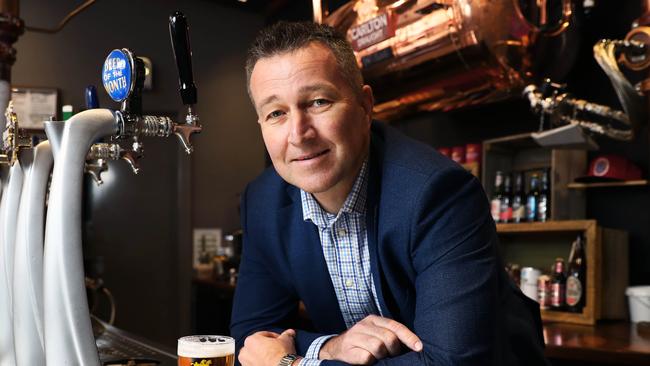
{"x":288,"y":360}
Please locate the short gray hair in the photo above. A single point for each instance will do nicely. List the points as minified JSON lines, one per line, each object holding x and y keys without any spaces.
{"x":284,"y":37}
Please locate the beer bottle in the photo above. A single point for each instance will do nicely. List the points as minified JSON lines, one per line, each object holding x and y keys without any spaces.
{"x":495,"y":203}
{"x":543,"y":202}
{"x":505,"y":214}
{"x":558,"y":285}
{"x":532,"y":198}
{"x":519,"y":200}
{"x":575,"y":282}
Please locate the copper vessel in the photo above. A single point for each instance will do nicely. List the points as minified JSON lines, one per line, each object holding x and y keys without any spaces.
{"x":424,"y":55}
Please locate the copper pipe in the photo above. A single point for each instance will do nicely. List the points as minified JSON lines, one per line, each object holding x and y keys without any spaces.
{"x":11,"y":27}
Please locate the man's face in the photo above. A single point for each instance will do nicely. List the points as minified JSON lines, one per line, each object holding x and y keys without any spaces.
{"x":316,"y":129}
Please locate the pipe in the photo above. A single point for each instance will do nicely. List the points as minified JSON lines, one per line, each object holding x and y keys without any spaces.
{"x":28,"y":260}
{"x":68,"y":332}
{"x":8,"y":217}
{"x":54,"y":132}
{"x":11,"y":27}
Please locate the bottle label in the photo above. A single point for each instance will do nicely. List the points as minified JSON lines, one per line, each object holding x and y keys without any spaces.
{"x":573,"y":291}
{"x":518,"y":212}
{"x":495,"y":209}
{"x":557,"y":294}
{"x":544,"y":295}
{"x":542,"y":212}
{"x":531,"y":209}
{"x":506,"y":214}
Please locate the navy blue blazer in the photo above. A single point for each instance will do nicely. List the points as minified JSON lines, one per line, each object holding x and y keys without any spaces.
{"x":433,"y":252}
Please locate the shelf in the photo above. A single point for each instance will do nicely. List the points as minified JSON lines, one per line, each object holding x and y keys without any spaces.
{"x":548,"y":226}
{"x":520,"y":153}
{"x":628,"y":183}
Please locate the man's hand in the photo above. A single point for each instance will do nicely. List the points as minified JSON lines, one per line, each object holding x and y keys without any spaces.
{"x":370,"y":340}
{"x":267,"y":348}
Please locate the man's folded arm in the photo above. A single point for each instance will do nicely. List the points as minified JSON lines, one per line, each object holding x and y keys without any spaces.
{"x":454,"y":255}
{"x":262,"y":301}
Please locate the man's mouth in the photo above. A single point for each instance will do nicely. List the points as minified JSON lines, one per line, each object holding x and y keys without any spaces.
{"x":311,"y":156}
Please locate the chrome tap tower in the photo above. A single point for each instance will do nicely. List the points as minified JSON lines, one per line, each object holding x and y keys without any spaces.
{"x":67,"y":327}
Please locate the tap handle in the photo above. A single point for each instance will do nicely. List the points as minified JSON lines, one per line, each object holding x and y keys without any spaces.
{"x":180,"y":36}
{"x":90,"y":94}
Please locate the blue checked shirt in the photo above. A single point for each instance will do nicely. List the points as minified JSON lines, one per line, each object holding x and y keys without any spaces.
{"x":344,"y":239}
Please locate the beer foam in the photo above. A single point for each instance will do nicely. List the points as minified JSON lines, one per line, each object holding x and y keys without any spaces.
{"x":198,"y":346}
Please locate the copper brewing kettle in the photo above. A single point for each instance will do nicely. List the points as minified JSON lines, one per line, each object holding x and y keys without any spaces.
{"x":445,"y":54}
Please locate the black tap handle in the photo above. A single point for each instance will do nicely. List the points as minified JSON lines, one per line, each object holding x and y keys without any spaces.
{"x":180,"y":35}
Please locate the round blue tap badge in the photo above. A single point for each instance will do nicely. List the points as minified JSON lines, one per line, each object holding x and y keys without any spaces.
{"x":117,"y":75}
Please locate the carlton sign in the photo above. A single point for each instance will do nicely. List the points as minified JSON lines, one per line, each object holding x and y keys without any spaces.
{"x":372,"y":32}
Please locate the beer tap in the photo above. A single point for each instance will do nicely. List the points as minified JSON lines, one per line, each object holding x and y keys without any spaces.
{"x":95,"y":166}
{"x":13,"y":141}
{"x":132,"y":125}
{"x":21,"y":220}
{"x":180,"y":38}
{"x":68,"y":331}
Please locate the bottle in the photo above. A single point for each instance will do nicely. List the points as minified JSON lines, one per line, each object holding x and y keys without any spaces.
{"x":66,"y":112}
{"x":575,"y":282}
{"x":558,"y":285}
{"x":532,"y":198}
{"x":519,"y":200}
{"x":505,"y":212}
{"x":543,"y":203}
{"x":495,"y":203}
{"x":544,"y":292}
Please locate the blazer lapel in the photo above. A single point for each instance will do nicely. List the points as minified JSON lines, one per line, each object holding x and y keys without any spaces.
{"x":309,"y":270}
{"x":372,"y":219}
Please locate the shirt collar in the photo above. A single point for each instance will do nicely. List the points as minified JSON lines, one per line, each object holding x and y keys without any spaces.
{"x":355,"y":203}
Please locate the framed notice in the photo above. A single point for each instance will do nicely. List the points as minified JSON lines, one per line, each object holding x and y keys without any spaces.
{"x":34,"y":105}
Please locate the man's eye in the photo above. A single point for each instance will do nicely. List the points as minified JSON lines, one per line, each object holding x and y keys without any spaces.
{"x":274,"y":114}
{"x":320,"y":102}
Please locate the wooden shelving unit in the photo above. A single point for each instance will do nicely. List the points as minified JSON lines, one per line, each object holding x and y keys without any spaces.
{"x":538,"y":243}
{"x":521,"y":153}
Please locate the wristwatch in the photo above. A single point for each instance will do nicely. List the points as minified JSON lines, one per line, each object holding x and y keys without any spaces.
{"x":288,"y":360}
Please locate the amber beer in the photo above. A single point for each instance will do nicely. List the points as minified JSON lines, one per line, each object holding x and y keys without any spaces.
{"x":206,"y":350}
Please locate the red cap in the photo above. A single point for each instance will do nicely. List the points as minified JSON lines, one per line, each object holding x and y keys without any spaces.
{"x":458,"y":154}
{"x":609,"y":168}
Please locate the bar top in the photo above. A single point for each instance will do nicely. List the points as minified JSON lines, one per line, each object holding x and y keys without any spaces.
{"x":617,"y":342}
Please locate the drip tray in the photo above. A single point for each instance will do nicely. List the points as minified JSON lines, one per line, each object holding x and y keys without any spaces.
{"x":119,"y":348}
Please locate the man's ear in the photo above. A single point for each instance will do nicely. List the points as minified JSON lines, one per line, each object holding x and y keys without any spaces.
{"x":367,"y":100}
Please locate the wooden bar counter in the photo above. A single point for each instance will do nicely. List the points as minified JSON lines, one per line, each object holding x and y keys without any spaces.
{"x":607,"y":343}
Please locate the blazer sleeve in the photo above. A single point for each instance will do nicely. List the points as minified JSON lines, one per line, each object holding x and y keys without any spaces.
{"x":264,"y":299}
{"x":454,"y":256}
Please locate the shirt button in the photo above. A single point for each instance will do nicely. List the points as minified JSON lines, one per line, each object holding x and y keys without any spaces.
{"x":342,"y":232}
{"x":349,"y":282}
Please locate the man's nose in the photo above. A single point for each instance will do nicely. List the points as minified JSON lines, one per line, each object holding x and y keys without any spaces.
{"x":301,"y":128}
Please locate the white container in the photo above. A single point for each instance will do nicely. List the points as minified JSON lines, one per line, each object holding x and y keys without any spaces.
{"x":528,"y":286}
{"x":639,"y":299}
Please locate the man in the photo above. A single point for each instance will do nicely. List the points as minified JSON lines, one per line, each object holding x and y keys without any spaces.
{"x":390,"y":246}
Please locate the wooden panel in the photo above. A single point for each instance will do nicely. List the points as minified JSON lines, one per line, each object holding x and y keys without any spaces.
{"x":615,"y":272}
{"x":567,"y":165}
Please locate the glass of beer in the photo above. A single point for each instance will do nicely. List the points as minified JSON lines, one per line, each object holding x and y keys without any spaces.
{"x":206,"y":350}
